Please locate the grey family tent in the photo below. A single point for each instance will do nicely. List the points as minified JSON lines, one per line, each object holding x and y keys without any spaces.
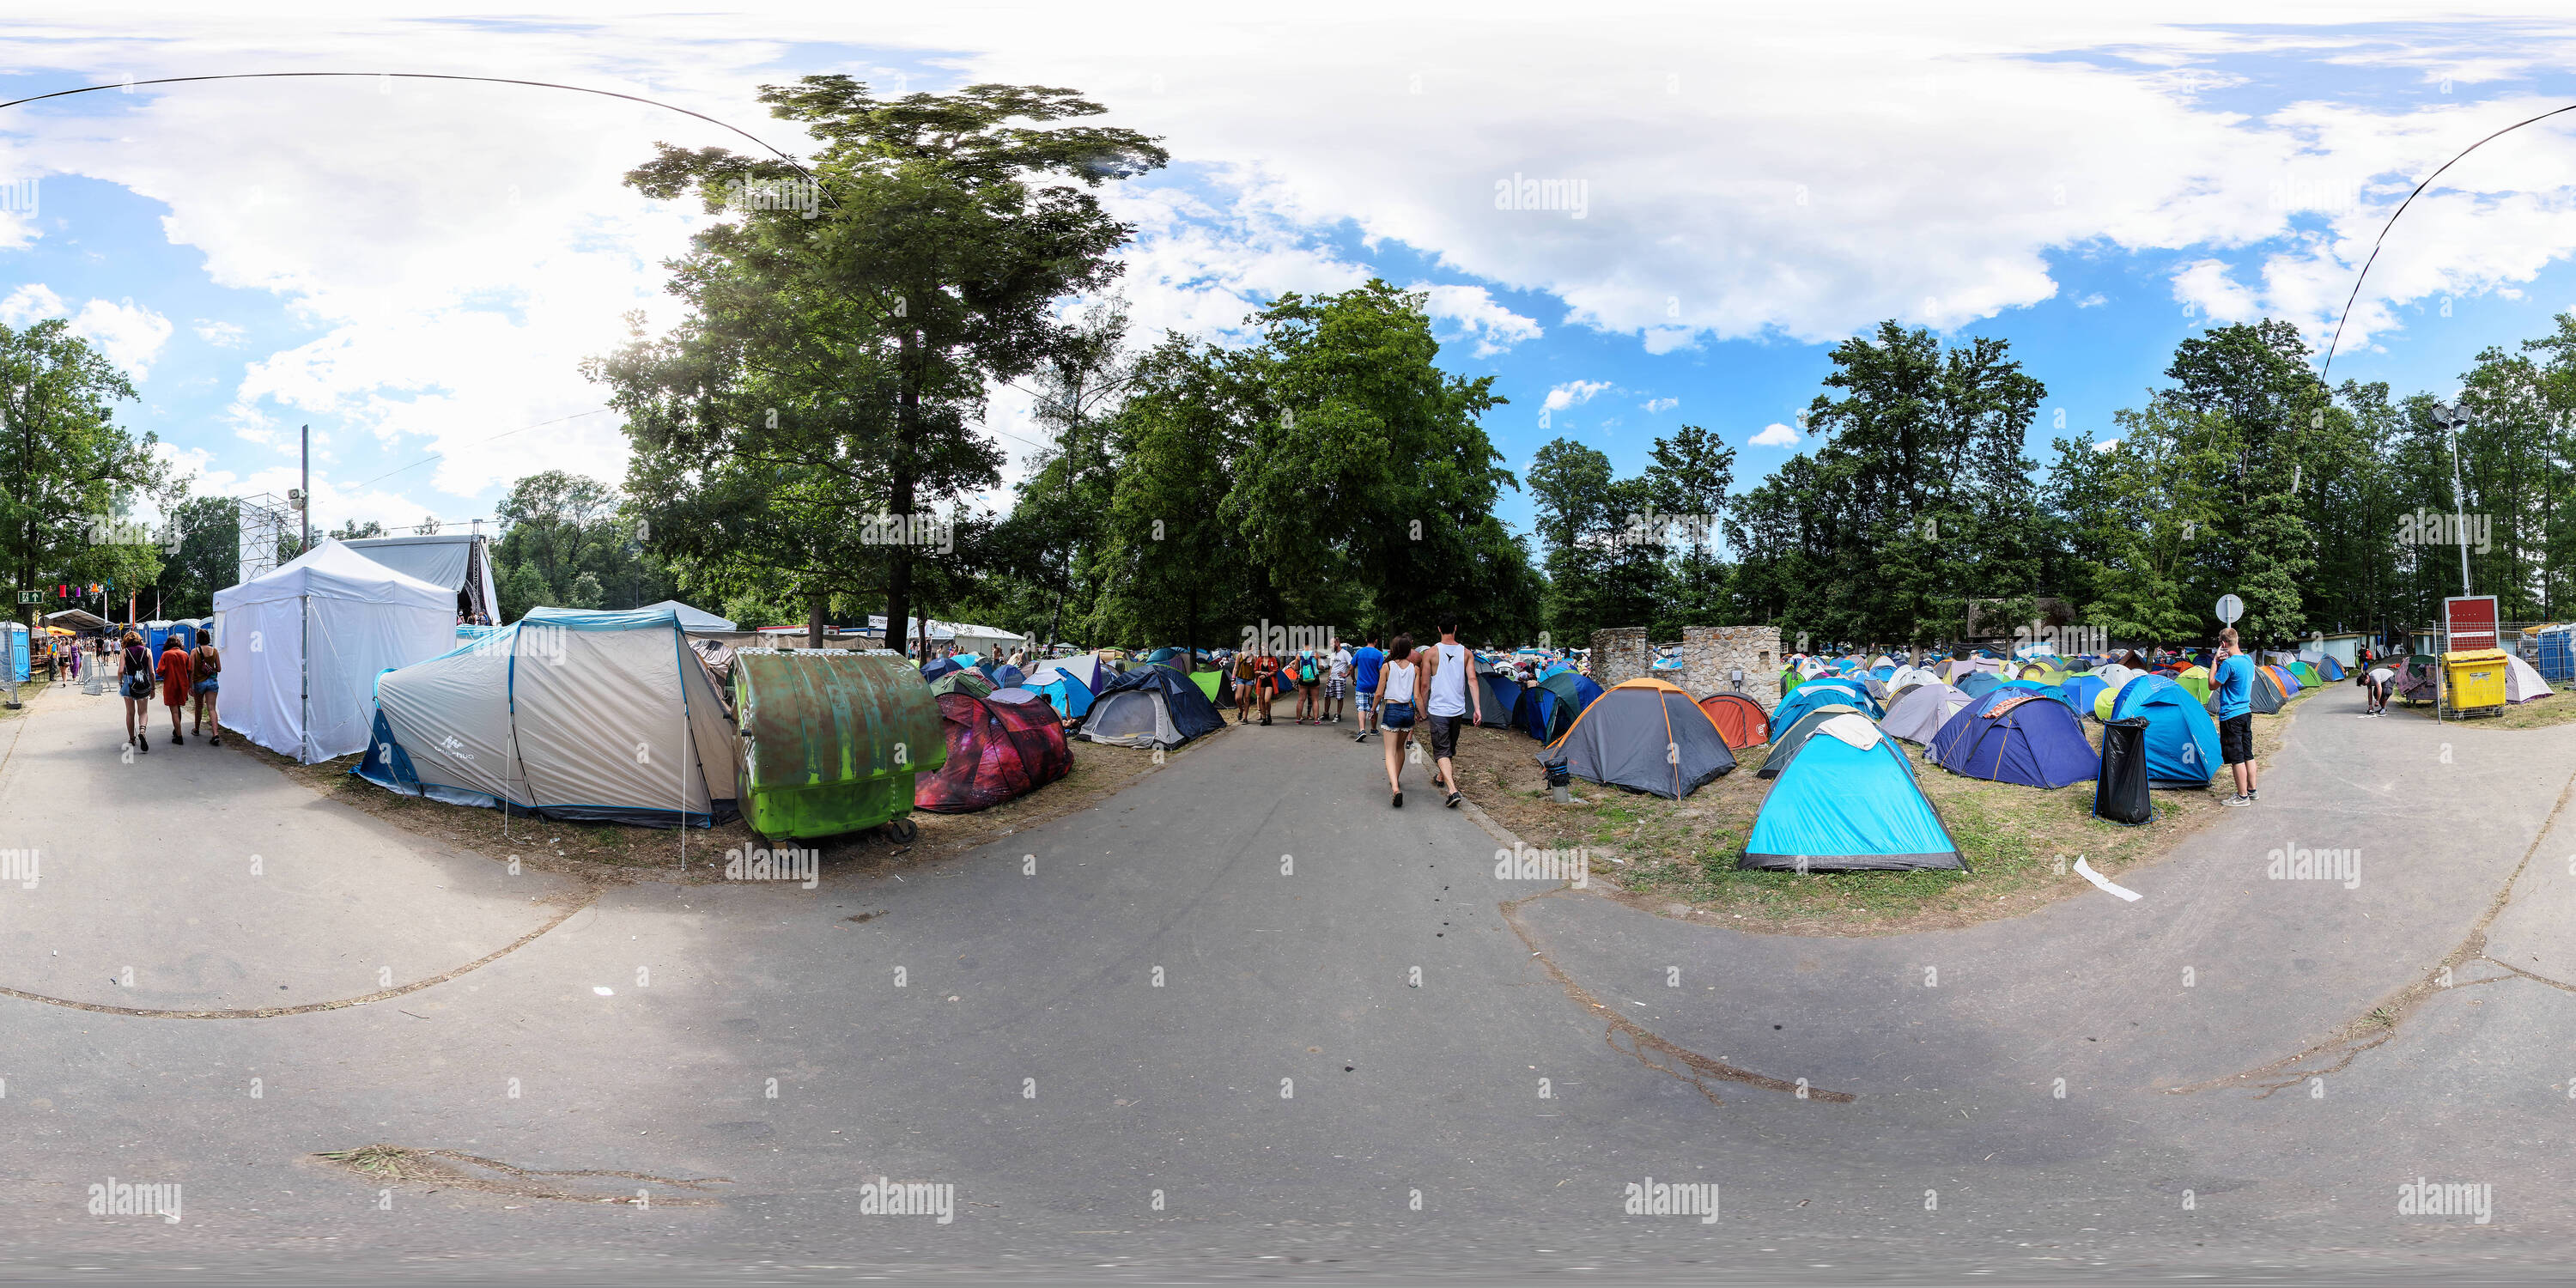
{"x":1646,"y":736}
{"x":1919,"y":712}
{"x":565,"y":713}
{"x":1502,"y":697}
{"x":1151,"y":706}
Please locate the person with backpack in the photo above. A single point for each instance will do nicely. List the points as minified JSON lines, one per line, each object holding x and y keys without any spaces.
{"x":205,"y":664}
{"x":134,"y":691}
{"x":1308,"y":679}
{"x":1399,"y":695}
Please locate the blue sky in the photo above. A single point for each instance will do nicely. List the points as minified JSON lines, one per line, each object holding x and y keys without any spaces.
{"x":417,"y":270}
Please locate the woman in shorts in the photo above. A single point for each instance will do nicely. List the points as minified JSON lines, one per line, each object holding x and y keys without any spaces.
{"x":134,"y":691}
{"x":1398,"y":699}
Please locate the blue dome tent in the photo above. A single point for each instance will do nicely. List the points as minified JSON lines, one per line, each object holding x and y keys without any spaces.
{"x":1849,"y":803}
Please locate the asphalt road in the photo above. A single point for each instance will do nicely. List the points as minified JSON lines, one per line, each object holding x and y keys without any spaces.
{"x":1244,"y":1020}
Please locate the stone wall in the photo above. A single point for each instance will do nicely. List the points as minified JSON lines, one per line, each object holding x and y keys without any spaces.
{"x":1619,"y":654}
{"x":1707,"y":653}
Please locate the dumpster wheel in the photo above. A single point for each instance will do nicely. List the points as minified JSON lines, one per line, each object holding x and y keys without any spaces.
{"x":904,"y":830}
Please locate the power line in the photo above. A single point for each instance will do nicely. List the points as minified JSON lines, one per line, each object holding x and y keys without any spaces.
{"x":2401,"y":209}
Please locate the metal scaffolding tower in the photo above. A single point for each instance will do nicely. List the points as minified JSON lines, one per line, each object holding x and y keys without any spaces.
{"x":270,"y":532}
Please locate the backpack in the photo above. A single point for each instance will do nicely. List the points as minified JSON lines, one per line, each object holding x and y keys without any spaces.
{"x":1306,"y":671}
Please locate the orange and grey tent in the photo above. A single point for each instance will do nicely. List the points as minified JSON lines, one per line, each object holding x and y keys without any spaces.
{"x":1740,"y":718}
{"x":1646,"y":736}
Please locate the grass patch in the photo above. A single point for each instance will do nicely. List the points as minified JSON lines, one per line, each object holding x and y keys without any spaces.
{"x":2539,"y":713}
{"x":1678,"y":857}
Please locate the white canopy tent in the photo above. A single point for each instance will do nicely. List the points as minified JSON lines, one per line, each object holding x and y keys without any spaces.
{"x":356,"y":617}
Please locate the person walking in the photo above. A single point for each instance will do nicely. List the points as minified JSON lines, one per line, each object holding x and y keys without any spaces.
{"x":1244,"y":675}
{"x":1399,"y":695}
{"x":178,"y":675}
{"x":205,"y":664}
{"x":134,"y":691}
{"x":1452,"y":693}
{"x":1309,"y":680}
{"x":1337,"y":682}
{"x":1366,"y":662}
{"x":2232,"y":683}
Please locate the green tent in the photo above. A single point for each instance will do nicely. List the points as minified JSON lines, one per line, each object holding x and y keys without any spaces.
{"x":966,"y":680}
{"x":2307,"y":674}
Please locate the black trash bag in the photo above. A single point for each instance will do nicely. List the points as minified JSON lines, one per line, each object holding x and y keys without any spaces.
{"x":2120,"y":793}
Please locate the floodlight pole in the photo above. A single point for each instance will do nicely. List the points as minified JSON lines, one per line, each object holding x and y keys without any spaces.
{"x":2451,"y":418}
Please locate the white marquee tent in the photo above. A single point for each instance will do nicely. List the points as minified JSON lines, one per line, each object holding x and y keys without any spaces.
{"x":460,"y":561}
{"x":361,"y":619}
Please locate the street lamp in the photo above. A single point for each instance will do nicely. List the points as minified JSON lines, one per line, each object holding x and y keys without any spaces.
{"x":2451,"y":415}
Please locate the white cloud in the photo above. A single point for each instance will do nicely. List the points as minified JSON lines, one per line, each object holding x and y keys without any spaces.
{"x":1574,"y":393}
{"x":2204,"y":287}
{"x":129,"y":334}
{"x":1475,"y":312}
{"x":1660,"y":404}
{"x":1775,"y":435}
{"x":2093,"y":301}
{"x":2107,"y":445}
{"x":222,"y":335}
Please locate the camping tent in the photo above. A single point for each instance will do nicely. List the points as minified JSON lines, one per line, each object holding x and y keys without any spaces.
{"x":964,"y":679}
{"x":460,"y":561}
{"x":996,"y":751}
{"x":2182,"y":741}
{"x":2046,"y":690}
{"x":1739,"y":718}
{"x":2307,"y":675}
{"x":1784,"y":747}
{"x":1151,"y":706}
{"x":1069,"y":695}
{"x":2016,"y":735}
{"x":1501,"y":698}
{"x":1977,"y":684}
{"x":1083,"y":667}
{"x":1547,"y":709}
{"x":1644,"y":735}
{"x":570,"y":714}
{"x":1849,"y":803}
{"x":1919,"y":712}
{"x":1012,"y":694}
{"x":691,"y":619}
{"x":2331,"y":669}
{"x":1812,"y":695}
{"x":2195,"y":679}
{"x":2522,"y":681}
{"x":2082,"y":690}
{"x":2281,"y":675}
{"x":1911,"y":675}
{"x":360,"y":618}
{"x":2264,"y":693}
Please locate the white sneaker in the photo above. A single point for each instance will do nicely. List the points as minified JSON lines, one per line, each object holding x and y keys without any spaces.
{"x":2237,"y":801}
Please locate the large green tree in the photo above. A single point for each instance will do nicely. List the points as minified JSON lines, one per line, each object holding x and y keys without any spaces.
{"x":70,"y":476}
{"x":836,"y":356}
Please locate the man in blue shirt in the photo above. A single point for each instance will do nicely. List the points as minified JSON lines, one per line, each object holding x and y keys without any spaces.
{"x":1365,"y":661}
{"x":2232,"y":683}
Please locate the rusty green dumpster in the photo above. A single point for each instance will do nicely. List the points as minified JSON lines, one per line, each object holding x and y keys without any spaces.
{"x":829,"y":740}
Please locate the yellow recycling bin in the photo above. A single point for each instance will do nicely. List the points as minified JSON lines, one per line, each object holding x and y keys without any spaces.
{"x":2474,"y":678}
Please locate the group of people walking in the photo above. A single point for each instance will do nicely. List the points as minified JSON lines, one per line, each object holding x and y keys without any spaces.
{"x":184,"y":676}
{"x":1395,"y":692}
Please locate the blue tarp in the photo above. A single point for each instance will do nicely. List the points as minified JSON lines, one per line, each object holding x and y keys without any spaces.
{"x":2038,"y":742}
{"x":2182,"y":741}
{"x":1842,"y":808}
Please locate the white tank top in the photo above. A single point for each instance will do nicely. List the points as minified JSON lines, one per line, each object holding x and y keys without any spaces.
{"x":1398,"y":681}
{"x":1449,"y":681}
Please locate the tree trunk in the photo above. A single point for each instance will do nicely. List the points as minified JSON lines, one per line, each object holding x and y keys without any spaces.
{"x":814,"y":603}
{"x":907,"y":435}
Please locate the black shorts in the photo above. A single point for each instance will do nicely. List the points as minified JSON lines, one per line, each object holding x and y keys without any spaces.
{"x":1444,"y":736}
{"x":2236,"y":739}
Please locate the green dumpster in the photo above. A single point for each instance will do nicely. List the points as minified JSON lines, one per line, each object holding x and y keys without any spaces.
{"x":829,"y":740}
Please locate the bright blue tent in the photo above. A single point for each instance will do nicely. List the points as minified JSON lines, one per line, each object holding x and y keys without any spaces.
{"x":1977,"y":684}
{"x":1536,"y":712}
{"x":2013,"y":735}
{"x":2081,"y":690}
{"x":2182,"y":740}
{"x":1070,"y":697}
{"x":1820,"y":693}
{"x":937,"y":667}
{"x":1849,"y":803}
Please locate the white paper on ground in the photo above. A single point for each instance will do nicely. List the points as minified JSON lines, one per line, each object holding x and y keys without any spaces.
{"x":2085,"y":870}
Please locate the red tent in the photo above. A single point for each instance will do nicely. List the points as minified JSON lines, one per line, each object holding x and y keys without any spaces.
{"x":996,"y":751}
{"x":1738,"y":717}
